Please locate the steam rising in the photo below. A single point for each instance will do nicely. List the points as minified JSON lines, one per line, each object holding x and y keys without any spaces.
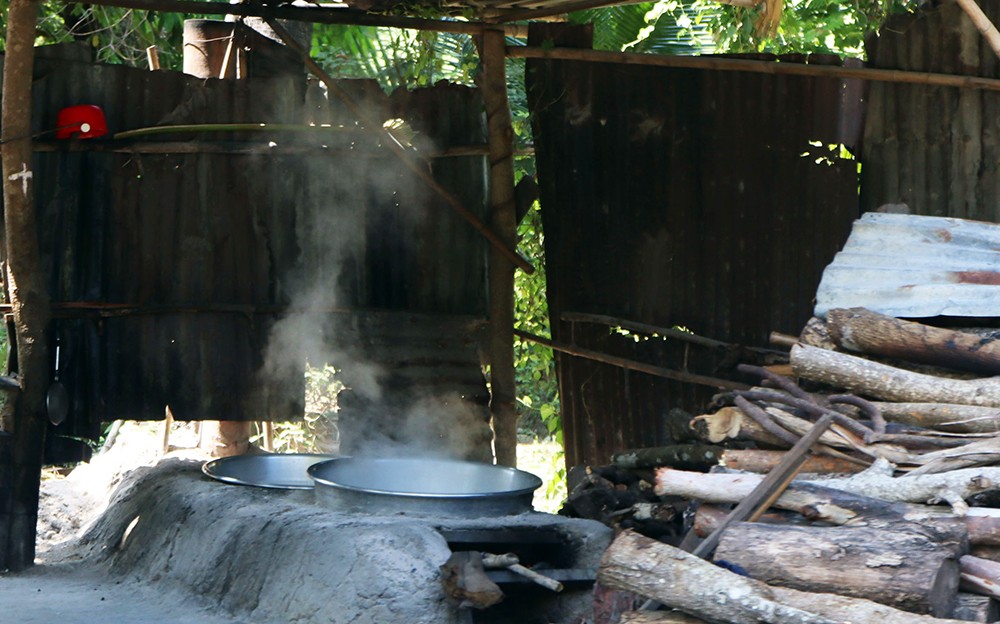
{"x":356,"y":217}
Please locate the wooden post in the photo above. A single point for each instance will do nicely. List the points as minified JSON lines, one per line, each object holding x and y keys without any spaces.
{"x":26,"y":287}
{"x":493,"y":85}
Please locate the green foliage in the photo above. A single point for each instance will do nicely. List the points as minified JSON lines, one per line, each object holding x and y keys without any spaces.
{"x":394,"y":57}
{"x":317,"y":432}
{"x":664,"y":27}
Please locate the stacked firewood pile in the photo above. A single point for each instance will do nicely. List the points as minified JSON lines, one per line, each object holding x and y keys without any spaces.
{"x":882,"y":453}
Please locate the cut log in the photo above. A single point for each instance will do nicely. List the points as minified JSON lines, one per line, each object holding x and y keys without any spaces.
{"x":707,"y":518}
{"x":754,"y":460}
{"x":816,"y":334}
{"x":975,"y":608}
{"x":684,"y":582}
{"x":895,"y":567}
{"x":943,"y":416}
{"x":685,"y":456}
{"x":729,"y":423}
{"x":889,"y":383}
{"x":864,"y":331}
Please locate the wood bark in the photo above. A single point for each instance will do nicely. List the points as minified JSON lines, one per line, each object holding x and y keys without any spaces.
{"x":980,"y":576}
{"x":906,"y":570}
{"x":761,"y":461}
{"x":943,"y":416}
{"x":682,"y":581}
{"x":658,"y":617}
{"x":503,"y":221}
{"x":464,"y":580}
{"x":889,"y":383}
{"x":25,"y":286}
{"x":864,"y":331}
{"x":975,"y":608}
{"x":684,"y":456}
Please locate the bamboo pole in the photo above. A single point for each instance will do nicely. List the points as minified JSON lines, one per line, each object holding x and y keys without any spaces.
{"x":758,"y":67}
{"x":504,"y":247}
{"x":503,"y":221}
{"x":26,"y":290}
{"x":983,"y":23}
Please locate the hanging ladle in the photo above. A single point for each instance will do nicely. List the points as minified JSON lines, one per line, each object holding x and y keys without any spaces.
{"x":57,"y":399}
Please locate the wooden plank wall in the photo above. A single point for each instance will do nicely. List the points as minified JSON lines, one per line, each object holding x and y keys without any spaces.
{"x":687,"y":198}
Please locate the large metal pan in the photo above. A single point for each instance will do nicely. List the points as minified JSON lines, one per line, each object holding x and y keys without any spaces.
{"x":437,"y":487}
{"x":285,"y":471}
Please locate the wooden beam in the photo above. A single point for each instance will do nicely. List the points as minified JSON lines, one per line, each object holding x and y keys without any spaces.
{"x":25,"y":283}
{"x":649,"y":369}
{"x":503,"y":221}
{"x":758,"y":67}
{"x":315,"y":15}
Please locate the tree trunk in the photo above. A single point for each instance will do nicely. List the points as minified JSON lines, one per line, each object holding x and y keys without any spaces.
{"x":682,"y":581}
{"x":858,"y":329}
{"x":684,"y":456}
{"x":888,"y":383}
{"x":905,"y":570}
{"x":26,"y":288}
{"x":503,"y":221}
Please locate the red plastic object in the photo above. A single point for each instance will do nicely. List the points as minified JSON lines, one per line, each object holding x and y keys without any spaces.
{"x":84,"y":121}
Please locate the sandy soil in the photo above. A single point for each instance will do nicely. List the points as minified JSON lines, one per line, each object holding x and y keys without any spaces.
{"x":65,"y":588}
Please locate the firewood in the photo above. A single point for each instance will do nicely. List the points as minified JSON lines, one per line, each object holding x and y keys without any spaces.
{"x":944,"y":416}
{"x":975,"y":608}
{"x":658,"y":617}
{"x":907,"y":570}
{"x":754,"y":460}
{"x":880,"y":381}
{"x":980,"y":576}
{"x":729,"y":423}
{"x":685,"y":456}
{"x":464,"y":580}
{"x":861,"y":330}
{"x":685,"y":582}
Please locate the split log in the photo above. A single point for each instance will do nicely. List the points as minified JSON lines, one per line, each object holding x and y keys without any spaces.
{"x":862,"y":330}
{"x":943,"y":416}
{"x":684,"y":456}
{"x":975,"y":608}
{"x":682,"y":581}
{"x":889,"y":383}
{"x":905,"y":570}
{"x":754,"y":460}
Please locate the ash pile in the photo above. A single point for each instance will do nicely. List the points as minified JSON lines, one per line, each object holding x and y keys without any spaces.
{"x":859,"y":482}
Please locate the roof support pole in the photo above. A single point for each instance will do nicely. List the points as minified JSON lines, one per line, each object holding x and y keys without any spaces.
{"x":27,"y":291}
{"x":503,"y":221}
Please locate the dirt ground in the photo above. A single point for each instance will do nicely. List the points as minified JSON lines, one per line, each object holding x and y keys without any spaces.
{"x":64,"y":586}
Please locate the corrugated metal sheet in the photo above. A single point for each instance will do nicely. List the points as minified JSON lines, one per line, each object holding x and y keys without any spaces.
{"x":915,"y":266}
{"x":935,"y":149}
{"x":678,"y":197}
{"x":170,"y":270}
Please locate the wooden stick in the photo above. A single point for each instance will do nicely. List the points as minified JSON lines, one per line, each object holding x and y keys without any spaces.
{"x":649,"y":369}
{"x":419,"y":169}
{"x":983,"y":23}
{"x":757,"y":67}
{"x":511,"y":562}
